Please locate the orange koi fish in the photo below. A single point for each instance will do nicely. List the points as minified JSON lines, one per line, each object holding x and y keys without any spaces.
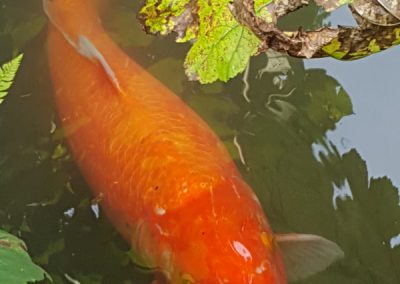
{"x":165,"y":179}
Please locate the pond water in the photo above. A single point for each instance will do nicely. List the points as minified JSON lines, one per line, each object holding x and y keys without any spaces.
{"x":316,"y":139}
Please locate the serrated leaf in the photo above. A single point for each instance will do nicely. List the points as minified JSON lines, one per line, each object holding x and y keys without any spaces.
{"x":15,"y":264}
{"x":7,"y":75}
{"x":223,"y":47}
{"x":221,"y":55}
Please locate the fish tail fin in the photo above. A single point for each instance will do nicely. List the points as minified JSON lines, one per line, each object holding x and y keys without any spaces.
{"x":305,"y":255}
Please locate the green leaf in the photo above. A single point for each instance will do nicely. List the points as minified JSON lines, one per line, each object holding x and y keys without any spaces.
{"x":7,"y":75}
{"x":16,"y":267}
{"x":222,"y":48}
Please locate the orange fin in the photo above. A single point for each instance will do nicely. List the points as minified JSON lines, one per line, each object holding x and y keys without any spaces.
{"x":305,"y":255}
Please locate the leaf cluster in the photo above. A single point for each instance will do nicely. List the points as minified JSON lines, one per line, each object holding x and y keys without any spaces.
{"x":221,"y":48}
{"x":225,"y":34}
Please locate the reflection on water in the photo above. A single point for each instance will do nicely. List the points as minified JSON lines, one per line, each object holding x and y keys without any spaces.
{"x":274,"y":124}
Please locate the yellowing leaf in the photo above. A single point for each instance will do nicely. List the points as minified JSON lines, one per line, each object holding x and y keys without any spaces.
{"x":165,"y":16}
{"x":222,"y":48}
{"x":221,"y":54}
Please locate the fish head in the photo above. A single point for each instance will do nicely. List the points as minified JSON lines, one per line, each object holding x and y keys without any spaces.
{"x":221,"y":237}
{"x":244,"y":261}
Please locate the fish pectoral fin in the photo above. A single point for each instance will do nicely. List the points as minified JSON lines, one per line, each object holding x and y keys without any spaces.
{"x":87,"y":49}
{"x":305,"y":255}
{"x":141,"y":263}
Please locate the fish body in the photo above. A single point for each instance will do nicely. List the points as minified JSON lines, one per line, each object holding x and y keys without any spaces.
{"x":162,"y":176}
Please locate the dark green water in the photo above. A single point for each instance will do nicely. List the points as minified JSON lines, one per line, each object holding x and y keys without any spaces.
{"x":319,"y":146}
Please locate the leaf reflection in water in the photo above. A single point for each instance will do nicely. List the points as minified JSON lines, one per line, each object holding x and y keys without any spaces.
{"x":297,"y":173}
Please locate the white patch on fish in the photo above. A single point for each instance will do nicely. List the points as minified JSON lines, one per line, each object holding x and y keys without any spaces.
{"x":261,"y":268}
{"x":242,"y":250}
{"x":160,"y":211}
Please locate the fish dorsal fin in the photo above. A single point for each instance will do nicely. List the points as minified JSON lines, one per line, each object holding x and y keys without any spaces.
{"x":87,"y":49}
{"x":80,"y":42}
{"x":305,"y":255}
